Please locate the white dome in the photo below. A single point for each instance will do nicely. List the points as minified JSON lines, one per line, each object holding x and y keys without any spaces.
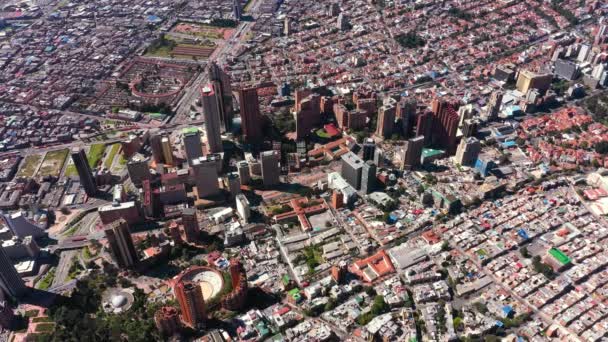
{"x":119,"y":301}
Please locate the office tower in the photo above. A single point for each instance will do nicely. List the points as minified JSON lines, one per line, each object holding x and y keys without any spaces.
{"x":190,"y":224}
{"x":242,"y":207}
{"x":445,"y":125}
{"x":205,"y":176}
{"x":270,"y":167}
{"x":157,"y":148}
{"x":333,"y":9}
{"x":528,"y":80}
{"x":237,"y":9}
{"x":167,"y":150}
{"x":567,"y":70}
{"x":342,"y":22}
{"x":81,"y":163}
{"x":210,"y":102}
{"x":412,"y":152}
{"x":191,"y":302}
{"x":121,"y":243}
{"x":287,"y":26}
{"x":10,"y":281}
{"x":379,"y":157}
{"x":600,"y":36}
{"x":468,"y":151}
{"x":308,"y":113}
{"x":167,"y":320}
{"x":352,"y":167}
{"x":223,"y":89}
{"x":337,"y":199}
{"x":242,"y":168}
{"x":424,"y":126}
{"x":386,"y":121}
{"x":192,"y":144}
{"x":493,"y":108}
{"x":369,"y":147}
{"x":464,"y":113}
{"x":233,"y":183}
{"x":583,"y":54}
{"x":138,"y":169}
{"x":469,"y":127}
{"x":368,"y":177}
{"x":250,"y":115}
{"x":406,"y":111}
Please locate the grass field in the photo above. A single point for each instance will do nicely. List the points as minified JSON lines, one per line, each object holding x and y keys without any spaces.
{"x":46,"y":282}
{"x":93,"y":156}
{"x":29,"y":166}
{"x":110,"y":157}
{"x":53,"y":163}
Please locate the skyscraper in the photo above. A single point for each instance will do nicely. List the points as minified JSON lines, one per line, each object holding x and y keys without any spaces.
{"x":121,"y":243}
{"x":369,"y":147}
{"x":386,"y":121}
{"x":406,"y":110}
{"x":167,"y":320}
{"x":192,"y":303}
{"x":242,"y":168}
{"x":270,"y":167}
{"x":242,"y":207}
{"x":308,"y":112}
{"x":167,"y":150}
{"x":445,"y":125}
{"x":10,"y":281}
{"x":368,"y":177}
{"x":205,"y":176}
{"x":468,"y":151}
{"x":190,"y":224}
{"x":233,"y":183}
{"x":223,"y":90}
{"x":138,"y":169}
{"x":210,"y":101}
{"x":157,"y":148}
{"x":81,"y":163}
{"x":352,"y":167}
{"x":237,"y":9}
{"x":494,"y":105}
{"x":250,"y":115}
{"x":424,"y":126}
{"x":412,"y":152}
{"x":192,"y":144}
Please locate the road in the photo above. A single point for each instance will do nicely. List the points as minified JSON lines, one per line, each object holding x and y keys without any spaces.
{"x":63,"y":268}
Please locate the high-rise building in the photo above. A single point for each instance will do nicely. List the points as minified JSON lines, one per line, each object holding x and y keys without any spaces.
{"x":379,"y":157}
{"x":237,"y":9}
{"x":343,"y":23}
{"x":138,"y":169}
{"x":333,"y":9}
{"x":190,"y":224}
{"x":600,"y":36}
{"x":529,"y":80}
{"x":368,"y":177}
{"x":352,"y":167}
{"x":469,"y":127}
{"x":493,"y":108}
{"x":412,"y":152}
{"x":192,"y":144}
{"x":406,"y":111}
{"x":10,"y":281}
{"x":81,"y":163}
{"x":242,"y":207}
{"x":121,"y":243}
{"x":205,"y":176}
{"x":287,"y":26}
{"x":210,"y":101}
{"x":386,"y":121}
{"x":424,"y":126}
{"x":445,"y":125}
{"x":242,"y":168}
{"x":337,"y":199}
{"x":223,"y":90}
{"x":369,"y":147}
{"x":167,"y":320}
{"x":308,"y":112}
{"x":167,"y":150}
{"x":157,"y":148}
{"x":232,"y":183}
{"x":250,"y":115}
{"x":583,"y":53}
{"x":236,"y":299}
{"x":270,"y":167}
{"x":191,"y":302}
{"x":468,"y":151}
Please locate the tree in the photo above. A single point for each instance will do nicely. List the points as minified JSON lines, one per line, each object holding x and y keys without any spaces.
{"x":524,"y":252}
{"x":601,"y":147}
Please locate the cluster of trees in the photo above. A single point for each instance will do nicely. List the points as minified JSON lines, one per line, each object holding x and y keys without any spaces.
{"x":81,"y":318}
{"x":410,"y":40}
{"x":556,"y":5}
{"x":221,"y":22}
{"x":601,"y":147}
{"x":543,"y":268}
{"x":378,"y":308}
{"x":598,"y":106}
{"x":460,"y":14}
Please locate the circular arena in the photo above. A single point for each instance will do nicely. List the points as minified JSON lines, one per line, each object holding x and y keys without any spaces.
{"x":210,"y":280}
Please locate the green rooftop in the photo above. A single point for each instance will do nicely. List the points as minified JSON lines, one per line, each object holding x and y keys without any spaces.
{"x":559,"y":256}
{"x":431,"y":152}
{"x":190,"y":130}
